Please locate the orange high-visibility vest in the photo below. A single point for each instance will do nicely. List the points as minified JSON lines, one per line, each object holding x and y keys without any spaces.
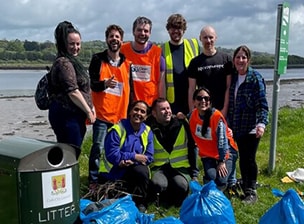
{"x":208,"y":146}
{"x":111,"y":104}
{"x":145,"y":72}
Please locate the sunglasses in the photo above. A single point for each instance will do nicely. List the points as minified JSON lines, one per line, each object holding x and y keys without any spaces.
{"x":200,"y":98}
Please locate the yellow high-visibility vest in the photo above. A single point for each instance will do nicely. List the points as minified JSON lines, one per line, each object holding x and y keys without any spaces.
{"x":105,"y":165}
{"x":178,"y":157}
{"x":191,"y":50}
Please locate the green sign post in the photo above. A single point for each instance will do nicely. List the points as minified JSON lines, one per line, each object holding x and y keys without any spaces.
{"x":280,"y":66}
{"x":283,"y":48}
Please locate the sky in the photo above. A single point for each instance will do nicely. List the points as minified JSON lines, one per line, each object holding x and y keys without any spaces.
{"x":249,"y":22}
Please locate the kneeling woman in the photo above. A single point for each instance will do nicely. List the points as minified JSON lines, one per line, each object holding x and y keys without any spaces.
{"x":214,"y":141}
{"x":128,"y":151}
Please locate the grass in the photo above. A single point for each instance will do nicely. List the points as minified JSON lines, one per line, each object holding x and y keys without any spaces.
{"x":289,"y":156}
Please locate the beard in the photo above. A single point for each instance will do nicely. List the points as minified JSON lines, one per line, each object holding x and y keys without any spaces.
{"x":114,"y":46}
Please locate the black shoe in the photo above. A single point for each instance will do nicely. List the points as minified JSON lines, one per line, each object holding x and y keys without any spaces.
{"x":232,"y":191}
{"x":251,"y":197}
{"x":142,"y":208}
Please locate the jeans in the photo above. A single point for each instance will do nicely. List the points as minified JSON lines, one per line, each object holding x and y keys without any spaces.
{"x":210,"y":165}
{"x":172,"y":186}
{"x":232,"y":175}
{"x":68,"y":125}
{"x":100,"y":129}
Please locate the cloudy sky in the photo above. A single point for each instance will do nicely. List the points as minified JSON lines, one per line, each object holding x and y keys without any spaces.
{"x":250,"y":22}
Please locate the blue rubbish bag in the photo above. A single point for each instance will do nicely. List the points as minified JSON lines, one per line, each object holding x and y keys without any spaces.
{"x":118,"y":211}
{"x":289,"y":210}
{"x":168,"y":220}
{"x":206,"y":204}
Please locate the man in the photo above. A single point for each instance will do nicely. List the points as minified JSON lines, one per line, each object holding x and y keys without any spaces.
{"x":174,"y":154}
{"x":212,"y":70}
{"x":148,"y":66}
{"x":178,"y":53}
{"x":110,"y":83}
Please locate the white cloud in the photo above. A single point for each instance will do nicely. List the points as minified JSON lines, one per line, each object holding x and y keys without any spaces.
{"x":252,"y":22}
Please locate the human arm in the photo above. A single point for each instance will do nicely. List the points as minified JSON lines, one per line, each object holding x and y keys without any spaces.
{"x":162,"y":81}
{"x":67,"y":80}
{"x":94,"y":72}
{"x":262,"y":108}
{"x":149,"y":153}
{"x":191,"y":89}
{"x":192,"y":152}
{"x":222,"y":148}
{"x":226,"y":100}
{"x":78,"y":99}
{"x":144,"y":157}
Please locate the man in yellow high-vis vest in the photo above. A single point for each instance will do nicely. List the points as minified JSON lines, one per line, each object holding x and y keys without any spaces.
{"x":178,"y":53}
{"x":174,"y":162}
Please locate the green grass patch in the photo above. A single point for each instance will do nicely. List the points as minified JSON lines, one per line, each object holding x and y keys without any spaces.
{"x":289,"y":156}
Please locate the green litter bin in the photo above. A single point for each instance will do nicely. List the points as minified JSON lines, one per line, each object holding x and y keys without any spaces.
{"x":39,"y":182}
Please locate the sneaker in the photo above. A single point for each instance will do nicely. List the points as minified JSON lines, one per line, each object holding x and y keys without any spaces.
{"x":250,"y":197}
{"x":142,"y":208}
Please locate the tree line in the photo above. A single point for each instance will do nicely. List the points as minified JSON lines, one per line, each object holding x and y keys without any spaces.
{"x":17,"y":53}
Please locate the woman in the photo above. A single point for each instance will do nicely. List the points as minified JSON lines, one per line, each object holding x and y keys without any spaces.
{"x":71,"y":102}
{"x":247,"y":116}
{"x":210,"y":132}
{"x":128,"y":151}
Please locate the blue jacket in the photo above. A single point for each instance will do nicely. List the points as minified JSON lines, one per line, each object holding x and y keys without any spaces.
{"x":250,"y":106}
{"x":132,"y":145}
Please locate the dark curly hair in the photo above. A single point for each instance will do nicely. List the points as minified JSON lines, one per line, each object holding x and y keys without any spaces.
{"x":61,"y":33}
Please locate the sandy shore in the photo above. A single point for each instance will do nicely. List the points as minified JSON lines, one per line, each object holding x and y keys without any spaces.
{"x":21,"y":117}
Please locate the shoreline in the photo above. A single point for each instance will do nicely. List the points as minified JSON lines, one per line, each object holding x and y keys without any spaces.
{"x":21,"y":117}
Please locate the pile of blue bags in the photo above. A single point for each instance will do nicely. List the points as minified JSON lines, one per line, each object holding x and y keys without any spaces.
{"x":205,"y":204}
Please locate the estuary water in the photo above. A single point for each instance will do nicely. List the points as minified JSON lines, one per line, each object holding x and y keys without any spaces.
{"x":17,"y":83}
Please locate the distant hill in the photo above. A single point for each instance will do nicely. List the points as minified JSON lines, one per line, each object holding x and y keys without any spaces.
{"x":32,"y":54}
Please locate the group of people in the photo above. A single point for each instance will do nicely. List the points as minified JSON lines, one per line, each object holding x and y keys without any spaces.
{"x":154,"y":109}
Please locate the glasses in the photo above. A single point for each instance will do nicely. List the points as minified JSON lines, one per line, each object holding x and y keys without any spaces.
{"x":200,"y":98}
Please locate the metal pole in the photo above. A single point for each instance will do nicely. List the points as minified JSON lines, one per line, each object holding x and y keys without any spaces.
{"x":275,"y":92}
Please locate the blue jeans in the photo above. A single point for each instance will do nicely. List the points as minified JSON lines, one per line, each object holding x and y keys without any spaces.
{"x":232,"y":175}
{"x":210,"y":165}
{"x":100,"y":129}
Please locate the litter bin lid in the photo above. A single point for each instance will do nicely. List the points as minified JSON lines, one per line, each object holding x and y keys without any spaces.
{"x":37,"y":155}
{"x":19,"y":147}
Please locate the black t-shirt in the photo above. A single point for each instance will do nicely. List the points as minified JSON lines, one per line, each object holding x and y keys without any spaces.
{"x":180,"y":80}
{"x":211,"y":72}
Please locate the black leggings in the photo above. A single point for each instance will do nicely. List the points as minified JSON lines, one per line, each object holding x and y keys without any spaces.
{"x":248,"y":146}
{"x":137,"y":178}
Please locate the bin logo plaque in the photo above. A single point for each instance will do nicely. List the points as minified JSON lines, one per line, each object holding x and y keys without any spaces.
{"x":57,"y":188}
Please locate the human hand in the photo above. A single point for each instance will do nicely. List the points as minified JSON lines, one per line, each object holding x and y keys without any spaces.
{"x":221,"y":169}
{"x":141,"y":158}
{"x":111,"y":83}
{"x":91,"y":116}
{"x":230,"y":132}
{"x":126,"y":163}
{"x":181,"y":116}
{"x":259,"y":131}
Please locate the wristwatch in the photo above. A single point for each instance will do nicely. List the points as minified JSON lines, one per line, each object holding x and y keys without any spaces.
{"x":221,"y":160}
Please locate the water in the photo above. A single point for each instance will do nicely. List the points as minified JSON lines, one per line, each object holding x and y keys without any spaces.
{"x":15,"y":83}
{"x":295,"y":73}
